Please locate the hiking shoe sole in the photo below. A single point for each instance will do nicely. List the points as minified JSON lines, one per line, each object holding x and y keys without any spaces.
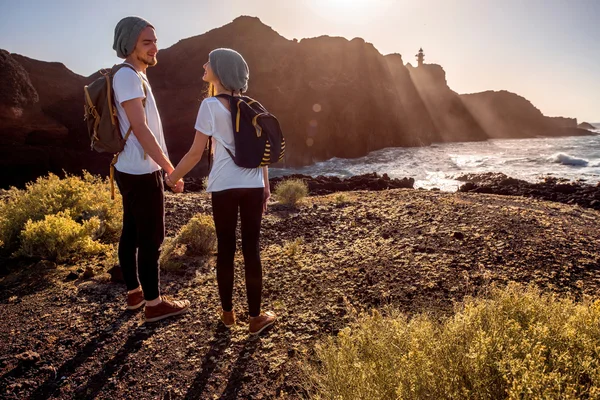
{"x":167,"y":315}
{"x":228,"y":316}
{"x":263,"y":327}
{"x":136,"y":306}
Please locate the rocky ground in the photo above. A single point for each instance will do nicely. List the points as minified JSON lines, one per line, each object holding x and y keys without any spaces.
{"x":65,"y":334}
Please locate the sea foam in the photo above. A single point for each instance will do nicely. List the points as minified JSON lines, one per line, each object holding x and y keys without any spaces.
{"x":566,"y":159}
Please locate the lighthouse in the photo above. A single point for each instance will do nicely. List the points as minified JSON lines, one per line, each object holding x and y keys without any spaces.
{"x":420,"y":57}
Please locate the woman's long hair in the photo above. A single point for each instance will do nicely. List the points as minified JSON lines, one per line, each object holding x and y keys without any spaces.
{"x":211,"y":91}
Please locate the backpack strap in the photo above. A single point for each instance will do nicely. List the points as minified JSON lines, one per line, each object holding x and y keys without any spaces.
{"x":234,"y":104}
{"x":143,"y":100}
{"x":141,"y":79}
{"x":110,"y":95}
{"x":231,"y":99}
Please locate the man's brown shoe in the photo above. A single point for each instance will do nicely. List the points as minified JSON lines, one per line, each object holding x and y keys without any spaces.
{"x":228,"y":318}
{"x":262,"y":322}
{"x":165,"y":309}
{"x":135,"y":300}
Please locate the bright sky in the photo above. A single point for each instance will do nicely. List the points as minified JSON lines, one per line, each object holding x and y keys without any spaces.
{"x":545,"y":50}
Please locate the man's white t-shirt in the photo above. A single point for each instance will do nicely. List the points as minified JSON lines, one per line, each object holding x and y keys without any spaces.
{"x":214,"y":120}
{"x":127,"y":85}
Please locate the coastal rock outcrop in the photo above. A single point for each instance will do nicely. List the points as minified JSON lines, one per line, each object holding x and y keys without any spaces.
{"x":17,"y":90}
{"x":321,"y":185}
{"x":412,"y":105}
{"x":551,"y":188}
{"x":563,"y":122}
{"x":503,"y":114}
{"x":26,"y":130}
{"x":334,"y":98}
{"x":452,"y":120}
{"x":586,"y":125}
{"x":61,"y":97}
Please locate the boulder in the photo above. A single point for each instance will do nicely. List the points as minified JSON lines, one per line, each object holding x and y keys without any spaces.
{"x":550,"y":188}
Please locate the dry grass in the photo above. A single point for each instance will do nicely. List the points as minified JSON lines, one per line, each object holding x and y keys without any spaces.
{"x":291,"y":191}
{"x":54,"y":218}
{"x":196,"y":238}
{"x":517,"y":344}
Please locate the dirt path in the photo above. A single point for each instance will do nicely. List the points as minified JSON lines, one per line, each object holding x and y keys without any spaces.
{"x":417,"y":250}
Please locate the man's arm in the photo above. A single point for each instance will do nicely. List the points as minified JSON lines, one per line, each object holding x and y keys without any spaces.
{"x":137,"y":118}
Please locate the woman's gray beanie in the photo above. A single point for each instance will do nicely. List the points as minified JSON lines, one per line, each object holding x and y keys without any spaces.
{"x":127,"y":32}
{"x":231,"y":69}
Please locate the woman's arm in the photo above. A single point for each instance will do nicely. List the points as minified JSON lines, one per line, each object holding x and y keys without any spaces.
{"x":190,"y":160}
{"x":267,"y":191}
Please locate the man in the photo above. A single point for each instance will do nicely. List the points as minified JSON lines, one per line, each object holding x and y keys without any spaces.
{"x":139,"y":170}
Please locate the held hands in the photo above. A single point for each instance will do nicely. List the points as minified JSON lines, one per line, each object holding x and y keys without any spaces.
{"x":176,"y":187}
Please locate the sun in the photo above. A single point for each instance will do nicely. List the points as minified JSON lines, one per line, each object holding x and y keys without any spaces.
{"x":348,"y":11}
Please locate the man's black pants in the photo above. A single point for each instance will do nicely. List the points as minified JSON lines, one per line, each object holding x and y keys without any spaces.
{"x":143,"y":230}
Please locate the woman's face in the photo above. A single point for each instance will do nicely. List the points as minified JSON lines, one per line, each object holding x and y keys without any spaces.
{"x":209,"y":76}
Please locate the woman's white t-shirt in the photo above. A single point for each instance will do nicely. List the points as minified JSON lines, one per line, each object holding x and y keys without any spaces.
{"x":127,"y":85}
{"x":214,"y":120}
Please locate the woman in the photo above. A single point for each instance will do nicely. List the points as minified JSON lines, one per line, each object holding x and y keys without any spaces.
{"x":233,"y":188}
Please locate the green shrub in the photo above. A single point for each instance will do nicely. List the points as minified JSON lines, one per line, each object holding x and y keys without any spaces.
{"x":291,"y":191}
{"x":171,"y":255}
{"x":519,"y":344}
{"x":58,"y":237}
{"x":198,"y":235}
{"x":197,"y":238}
{"x":340,"y":199}
{"x":83,"y":199}
{"x":293,"y":248}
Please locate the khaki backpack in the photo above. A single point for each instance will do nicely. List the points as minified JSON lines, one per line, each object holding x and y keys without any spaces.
{"x":100,"y":114}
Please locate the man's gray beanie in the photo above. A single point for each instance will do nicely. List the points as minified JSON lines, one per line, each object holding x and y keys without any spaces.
{"x":127,"y":32}
{"x":231,"y":69}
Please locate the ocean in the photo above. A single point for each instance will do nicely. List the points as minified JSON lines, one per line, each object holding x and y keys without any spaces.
{"x":437,"y":166}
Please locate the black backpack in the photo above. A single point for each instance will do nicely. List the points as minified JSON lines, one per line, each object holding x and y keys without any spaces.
{"x":257,"y":135}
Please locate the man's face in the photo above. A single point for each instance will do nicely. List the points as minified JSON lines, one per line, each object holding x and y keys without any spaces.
{"x":146,"y":49}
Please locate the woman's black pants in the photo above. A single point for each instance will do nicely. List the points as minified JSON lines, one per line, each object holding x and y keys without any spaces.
{"x":225,"y":206}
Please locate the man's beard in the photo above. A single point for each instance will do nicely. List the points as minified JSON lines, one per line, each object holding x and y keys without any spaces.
{"x":150,"y":63}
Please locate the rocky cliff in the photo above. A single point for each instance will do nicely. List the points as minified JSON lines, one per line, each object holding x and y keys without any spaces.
{"x":503,"y":114}
{"x":41,"y":121}
{"x":563,"y":122}
{"x":334,"y":98}
{"x":451,"y":119}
